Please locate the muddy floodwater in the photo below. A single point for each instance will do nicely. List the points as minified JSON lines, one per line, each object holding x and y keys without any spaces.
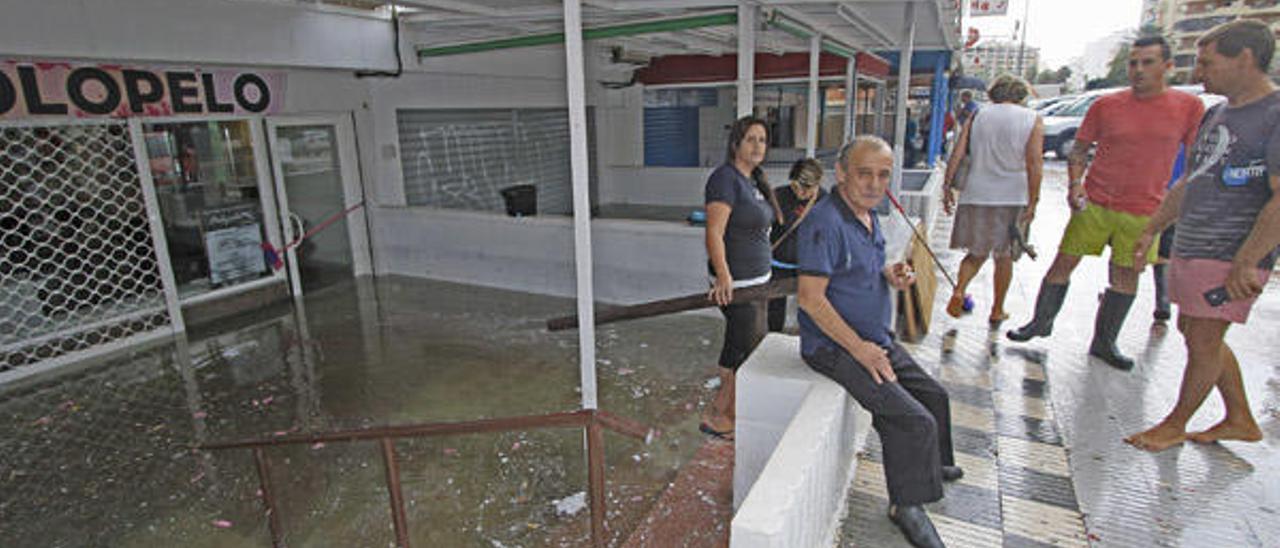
{"x":100,"y":454}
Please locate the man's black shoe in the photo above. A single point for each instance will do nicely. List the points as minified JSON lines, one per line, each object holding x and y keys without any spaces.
{"x":916,"y":526}
{"x":952,"y":473}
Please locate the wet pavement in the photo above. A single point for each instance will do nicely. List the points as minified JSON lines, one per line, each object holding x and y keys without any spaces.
{"x":1039,"y":426}
{"x":100,"y":455}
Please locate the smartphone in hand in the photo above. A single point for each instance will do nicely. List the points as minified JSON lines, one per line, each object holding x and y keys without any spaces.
{"x":1217,"y":296}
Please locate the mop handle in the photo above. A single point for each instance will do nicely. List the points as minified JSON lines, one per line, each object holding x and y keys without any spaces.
{"x":324,"y":224}
{"x":916,"y":231}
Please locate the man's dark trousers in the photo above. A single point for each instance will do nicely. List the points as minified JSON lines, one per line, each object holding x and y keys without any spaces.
{"x":912,"y":416}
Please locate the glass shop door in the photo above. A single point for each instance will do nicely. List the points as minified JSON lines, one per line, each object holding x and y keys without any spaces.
{"x":320,"y":199}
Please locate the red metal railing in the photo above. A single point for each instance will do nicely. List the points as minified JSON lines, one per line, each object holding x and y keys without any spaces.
{"x":591,"y":420}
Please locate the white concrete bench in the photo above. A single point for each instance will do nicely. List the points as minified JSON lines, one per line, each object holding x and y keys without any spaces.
{"x":797,"y":437}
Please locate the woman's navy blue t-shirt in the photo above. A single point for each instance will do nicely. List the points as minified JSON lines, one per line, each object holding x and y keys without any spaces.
{"x":746,"y":238}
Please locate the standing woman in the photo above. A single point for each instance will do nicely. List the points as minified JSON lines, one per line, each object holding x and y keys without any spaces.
{"x":795,"y":199}
{"x":740,"y":210}
{"x":1004,"y":142}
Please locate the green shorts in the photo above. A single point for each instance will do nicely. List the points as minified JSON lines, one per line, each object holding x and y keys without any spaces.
{"x":1097,"y":227}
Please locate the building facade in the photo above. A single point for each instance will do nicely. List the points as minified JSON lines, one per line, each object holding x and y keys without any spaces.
{"x":991,"y":59}
{"x":1185,"y":21}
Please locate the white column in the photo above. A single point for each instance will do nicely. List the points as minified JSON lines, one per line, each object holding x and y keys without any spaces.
{"x":815,"y":54}
{"x":851,"y":99}
{"x":581,"y":201}
{"x":904,"y":84}
{"x":746,"y":58}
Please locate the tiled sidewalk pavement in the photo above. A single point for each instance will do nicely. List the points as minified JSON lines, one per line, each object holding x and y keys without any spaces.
{"x":1039,"y":427}
{"x":1016,"y":490}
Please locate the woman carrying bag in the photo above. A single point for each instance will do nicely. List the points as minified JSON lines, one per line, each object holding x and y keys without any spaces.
{"x":1002,"y":144}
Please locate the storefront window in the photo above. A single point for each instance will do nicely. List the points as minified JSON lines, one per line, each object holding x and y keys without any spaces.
{"x":207,"y":187}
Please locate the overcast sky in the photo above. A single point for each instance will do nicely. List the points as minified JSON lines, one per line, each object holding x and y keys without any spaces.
{"x":1061,"y":28}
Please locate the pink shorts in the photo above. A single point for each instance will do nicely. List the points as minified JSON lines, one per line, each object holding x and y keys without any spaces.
{"x":1189,"y":279}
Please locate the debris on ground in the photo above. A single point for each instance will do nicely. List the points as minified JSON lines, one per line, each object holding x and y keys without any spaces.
{"x":571,"y":504}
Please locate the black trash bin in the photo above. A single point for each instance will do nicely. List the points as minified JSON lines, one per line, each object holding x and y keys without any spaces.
{"x":521,"y":200}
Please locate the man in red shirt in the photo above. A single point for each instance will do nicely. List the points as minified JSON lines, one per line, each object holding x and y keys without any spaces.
{"x":1137,"y":132}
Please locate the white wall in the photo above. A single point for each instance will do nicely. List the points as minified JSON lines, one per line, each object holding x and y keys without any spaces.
{"x":536,"y":253}
{"x":194,"y":31}
{"x":320,"y":51}
{"x":667,"y":186}
{"x":419,"y":90}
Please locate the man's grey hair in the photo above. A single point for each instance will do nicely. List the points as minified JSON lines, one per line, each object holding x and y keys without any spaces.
{"x":858,"y":142}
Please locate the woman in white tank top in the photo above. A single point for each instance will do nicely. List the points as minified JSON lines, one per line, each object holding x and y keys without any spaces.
{"x":1004,"y":143}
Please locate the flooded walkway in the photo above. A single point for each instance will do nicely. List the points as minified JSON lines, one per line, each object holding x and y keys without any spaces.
{"x":1039,"y":426}
{"x":100,"y":455}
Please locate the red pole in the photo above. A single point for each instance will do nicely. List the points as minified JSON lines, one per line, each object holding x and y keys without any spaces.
{"x":268,"y":500}
{"x":595,"y":481}
{"x":919,"y":237}
{"x":397,"y":498}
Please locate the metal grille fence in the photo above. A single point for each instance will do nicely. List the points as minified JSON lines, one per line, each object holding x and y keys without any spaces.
{"x":78,"y":264}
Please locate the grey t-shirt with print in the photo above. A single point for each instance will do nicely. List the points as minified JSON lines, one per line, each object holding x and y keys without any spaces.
{"x":1240,"y":149}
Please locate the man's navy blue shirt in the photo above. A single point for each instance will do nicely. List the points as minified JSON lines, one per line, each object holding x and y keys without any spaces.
{"x":834,"y":244}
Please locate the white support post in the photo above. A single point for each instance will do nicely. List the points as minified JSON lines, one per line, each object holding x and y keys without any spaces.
{"x":811,"y":135}
{"x":746,"y":58}
{"x":851,"y":99}
{"x":904,"y":84}
{"x":574,"y":76}
{"x":158,"y":239}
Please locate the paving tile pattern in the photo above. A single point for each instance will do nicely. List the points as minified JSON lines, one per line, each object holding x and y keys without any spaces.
{"x":1053,"y":460}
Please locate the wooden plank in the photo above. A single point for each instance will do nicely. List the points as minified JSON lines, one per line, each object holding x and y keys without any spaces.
{"x":926,"y":285}
{"x":775,"y":288}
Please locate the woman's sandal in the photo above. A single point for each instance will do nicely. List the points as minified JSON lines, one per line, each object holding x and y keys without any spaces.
{"x":997,"y":319}
{"x":726,"y":435}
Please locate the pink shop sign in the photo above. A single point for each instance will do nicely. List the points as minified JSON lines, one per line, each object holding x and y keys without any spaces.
{"x":61,"y":89}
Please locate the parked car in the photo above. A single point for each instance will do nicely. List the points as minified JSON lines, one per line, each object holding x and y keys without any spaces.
{"x":1041,"y":105}
{"x":1062,"y":122}
{"x":1061,"y":126}
{"x":1210,"y":100}
{"x":1058,"y":106}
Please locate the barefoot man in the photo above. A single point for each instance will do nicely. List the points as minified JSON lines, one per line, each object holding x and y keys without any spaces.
{"x":1228,"y":215}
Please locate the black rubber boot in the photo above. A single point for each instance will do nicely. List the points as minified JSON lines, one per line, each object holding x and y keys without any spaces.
{"x":1111,"y":313}
{"x":1161,"y":313}
{"x":1048,"y":303}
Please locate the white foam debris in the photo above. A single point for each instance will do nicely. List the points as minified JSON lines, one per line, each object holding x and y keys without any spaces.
{"x":712,"y":383}
{"x":571,"y":504}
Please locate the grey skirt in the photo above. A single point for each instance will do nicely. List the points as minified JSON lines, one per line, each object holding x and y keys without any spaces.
{"x":984,"y":230}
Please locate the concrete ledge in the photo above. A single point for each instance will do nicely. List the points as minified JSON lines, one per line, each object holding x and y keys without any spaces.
{"x":797,"y":437}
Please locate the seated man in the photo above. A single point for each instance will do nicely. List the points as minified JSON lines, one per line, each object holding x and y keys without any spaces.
{"x":844,"y":334}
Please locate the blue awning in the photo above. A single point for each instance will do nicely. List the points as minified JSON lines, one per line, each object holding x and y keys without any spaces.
{"x":922,"y":61}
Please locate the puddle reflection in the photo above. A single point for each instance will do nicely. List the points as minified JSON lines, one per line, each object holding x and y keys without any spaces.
{"x":102,"y":455}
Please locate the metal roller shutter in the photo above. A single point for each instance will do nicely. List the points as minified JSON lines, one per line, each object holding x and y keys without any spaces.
{"x":462,"y":159}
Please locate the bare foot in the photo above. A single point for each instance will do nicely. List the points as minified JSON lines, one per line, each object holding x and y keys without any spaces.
{"x":1236,"y":430}
{"x":1160,"y":437}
